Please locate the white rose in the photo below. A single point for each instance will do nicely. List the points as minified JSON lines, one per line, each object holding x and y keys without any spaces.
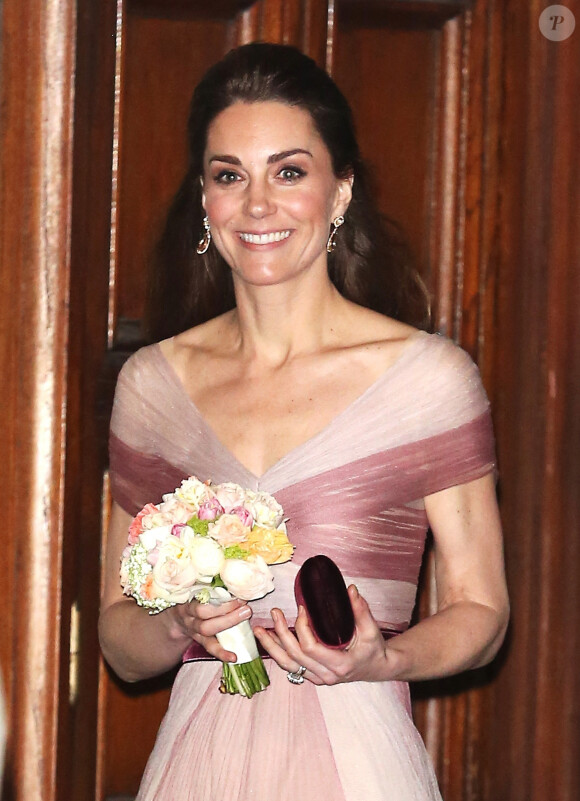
{"x":174,"y":575}
{"x":248,"y":579}
{"x":265,"y":510}
{"x":206,"y":556}
{"x":193,"y":492}
{"x":152,"y":536}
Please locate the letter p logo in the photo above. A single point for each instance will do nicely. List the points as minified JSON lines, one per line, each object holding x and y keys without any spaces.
{"x":557,"y":23}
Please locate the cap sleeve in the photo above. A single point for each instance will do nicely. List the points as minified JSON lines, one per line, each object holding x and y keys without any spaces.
{"x":457,"y":432}
{"x":138,"y":470}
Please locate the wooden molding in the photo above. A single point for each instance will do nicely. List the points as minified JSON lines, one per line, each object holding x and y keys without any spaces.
{"x":38,"y":52}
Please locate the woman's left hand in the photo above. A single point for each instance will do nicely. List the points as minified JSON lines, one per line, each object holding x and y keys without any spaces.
{"x":367,"y":658}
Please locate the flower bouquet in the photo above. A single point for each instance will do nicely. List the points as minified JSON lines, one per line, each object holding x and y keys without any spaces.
{"x":212,"y":543}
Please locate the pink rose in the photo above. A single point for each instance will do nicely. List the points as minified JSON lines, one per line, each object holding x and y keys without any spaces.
{"x":247,"y":579}
{"x":229,"y":530}
{"x":211,"y":509}
{"x":244,"y":515}
{"x":229,"y":495}
{"x":137,"y":526}
{"x":177,"y":529}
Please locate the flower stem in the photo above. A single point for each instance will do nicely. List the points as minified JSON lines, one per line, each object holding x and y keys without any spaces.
{"x":246,"y":679}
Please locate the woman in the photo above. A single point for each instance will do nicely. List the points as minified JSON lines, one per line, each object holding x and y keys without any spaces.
{"x":275,"y":372}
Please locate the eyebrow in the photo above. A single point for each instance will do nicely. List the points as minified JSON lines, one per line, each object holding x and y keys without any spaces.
{"x":286,"y":154}
{"x":271,"y":159}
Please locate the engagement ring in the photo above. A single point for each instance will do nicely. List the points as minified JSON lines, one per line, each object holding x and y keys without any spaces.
{"x":298,"y":677}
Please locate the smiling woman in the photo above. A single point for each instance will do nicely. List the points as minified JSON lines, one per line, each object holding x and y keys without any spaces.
{"x":269,"y":209}
{"x":370,"y":263}
{"x":278,"y":372}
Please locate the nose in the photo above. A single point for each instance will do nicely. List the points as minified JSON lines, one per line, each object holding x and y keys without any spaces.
{"x":259,"y":199}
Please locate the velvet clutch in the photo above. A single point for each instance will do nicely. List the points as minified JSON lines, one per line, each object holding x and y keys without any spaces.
{"x":321,"y":590}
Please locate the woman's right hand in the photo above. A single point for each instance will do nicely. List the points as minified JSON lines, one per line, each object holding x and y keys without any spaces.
{"x":138,"y":645}
{"x":202,"y":622}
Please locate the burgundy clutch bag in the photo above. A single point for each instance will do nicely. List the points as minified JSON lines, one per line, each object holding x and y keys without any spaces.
{"x":320,"y":589}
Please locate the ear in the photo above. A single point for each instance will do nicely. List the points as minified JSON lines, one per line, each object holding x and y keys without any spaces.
{"x":202,"y":192}
{"x":343,"y":195}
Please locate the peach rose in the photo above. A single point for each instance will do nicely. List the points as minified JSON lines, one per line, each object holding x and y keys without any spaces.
{"x":248,"y":579}
{"x":229,"y":530}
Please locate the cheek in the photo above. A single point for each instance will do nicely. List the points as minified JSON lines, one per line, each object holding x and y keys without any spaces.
{"x":219,"y":208}
{"x":315,"y":207}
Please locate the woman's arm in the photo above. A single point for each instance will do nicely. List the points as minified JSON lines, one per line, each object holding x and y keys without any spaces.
{"x":472,"y":605}
{"x":472,"y":601}
{"x":138,"y":645}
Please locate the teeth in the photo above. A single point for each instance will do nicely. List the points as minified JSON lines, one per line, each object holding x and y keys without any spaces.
{"x":264,"y":239}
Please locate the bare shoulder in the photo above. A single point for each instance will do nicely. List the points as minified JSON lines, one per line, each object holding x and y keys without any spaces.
{"x":377,"y":327}
{"x":185,"y":350}
{"x":379,"y":338}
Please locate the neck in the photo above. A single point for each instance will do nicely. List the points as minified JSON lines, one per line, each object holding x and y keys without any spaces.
{"x":274,"y":324}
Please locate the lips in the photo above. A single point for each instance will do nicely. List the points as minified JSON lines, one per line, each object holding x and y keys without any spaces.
{"x":264,"y":239}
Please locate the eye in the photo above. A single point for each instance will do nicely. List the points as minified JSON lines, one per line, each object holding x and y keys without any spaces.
{"x":290,"y":174}
{"x":226,"y":177}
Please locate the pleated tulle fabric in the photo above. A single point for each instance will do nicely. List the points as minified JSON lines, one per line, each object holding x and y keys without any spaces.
{"x":354,"y":492}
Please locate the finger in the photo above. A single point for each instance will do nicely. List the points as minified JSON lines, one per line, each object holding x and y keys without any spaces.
{"x":214,"y":649}
{"x":271,"y":643}
{"x":286,"y":638}
{"x":365,"y":623}
{"x":264,"y":635}
{"x":304,"y":632}
{"x":315,"y":657}
{"x":210,"y":626}
{"x":208,"y":610}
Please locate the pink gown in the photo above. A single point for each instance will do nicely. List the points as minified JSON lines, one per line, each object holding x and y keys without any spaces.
{"x":354,"y":492}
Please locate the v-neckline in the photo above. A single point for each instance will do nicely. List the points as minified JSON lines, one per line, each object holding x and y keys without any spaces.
{"x":409,"y":348}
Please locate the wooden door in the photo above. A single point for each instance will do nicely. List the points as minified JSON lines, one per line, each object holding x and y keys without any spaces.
{"x":410,"y":128}
{"x":464,"y":109}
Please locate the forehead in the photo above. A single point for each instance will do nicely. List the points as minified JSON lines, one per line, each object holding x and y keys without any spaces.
{"x":267,"y":126}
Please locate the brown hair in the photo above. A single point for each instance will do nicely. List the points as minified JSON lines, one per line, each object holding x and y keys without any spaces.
{"x":371,"y":264}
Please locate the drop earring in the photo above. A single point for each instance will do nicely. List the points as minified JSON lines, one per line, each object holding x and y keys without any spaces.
{"x":204,"y":242}
{"x":336,"y":223}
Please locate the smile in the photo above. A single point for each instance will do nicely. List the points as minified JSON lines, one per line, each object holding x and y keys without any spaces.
{"x":265,"y":239}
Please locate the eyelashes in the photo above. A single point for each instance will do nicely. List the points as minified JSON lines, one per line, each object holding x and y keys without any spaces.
{"x":291,"y":173}
{"x":288,"y":174}
{"x":226,"y":177}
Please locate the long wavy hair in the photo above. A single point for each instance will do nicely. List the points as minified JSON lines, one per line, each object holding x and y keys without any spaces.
{"x":371,"y":264}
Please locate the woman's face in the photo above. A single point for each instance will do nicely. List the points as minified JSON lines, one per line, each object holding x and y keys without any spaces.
{"x":270,"y":192}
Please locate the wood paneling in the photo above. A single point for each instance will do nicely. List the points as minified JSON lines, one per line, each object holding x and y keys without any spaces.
{"x":464,"y":110}
{"x":36,"y":147}
{"x":89,"y":296}
{"x":534,"y":750}
{"x":389,"y":78}
{"x":162,"y":60}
